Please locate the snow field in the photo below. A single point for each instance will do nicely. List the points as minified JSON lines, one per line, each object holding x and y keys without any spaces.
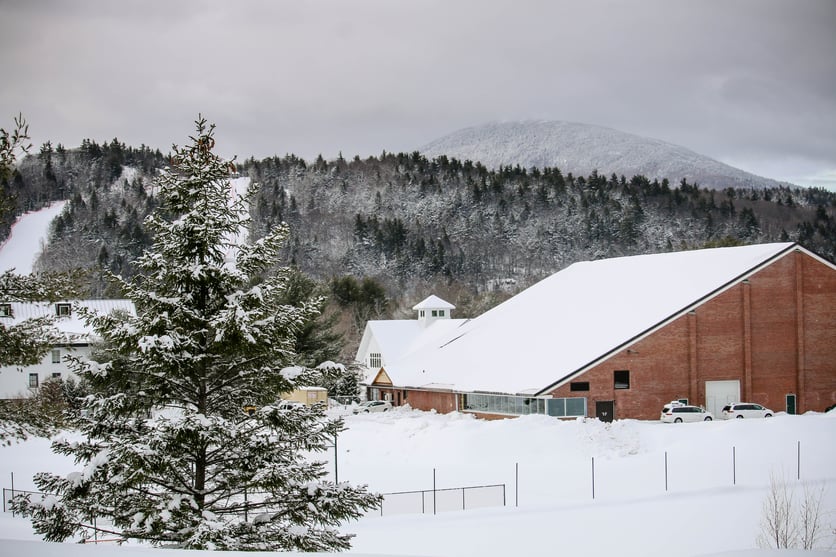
{"x":702,"y":513}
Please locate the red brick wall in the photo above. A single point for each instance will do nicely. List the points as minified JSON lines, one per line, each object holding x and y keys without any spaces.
{"x":754,"y":332}
{"x":819,"y":325}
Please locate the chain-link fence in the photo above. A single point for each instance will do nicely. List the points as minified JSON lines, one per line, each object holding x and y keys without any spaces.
{"x":432,"y":501}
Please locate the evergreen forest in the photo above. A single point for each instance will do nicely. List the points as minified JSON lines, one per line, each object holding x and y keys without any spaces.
{"x":384,"y":232}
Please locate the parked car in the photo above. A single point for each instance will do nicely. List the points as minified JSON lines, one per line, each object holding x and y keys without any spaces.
{"x":290,"y":404}
{"x":373,"y":406}
{"x":676,"y":412}
{"x":746,"y":410}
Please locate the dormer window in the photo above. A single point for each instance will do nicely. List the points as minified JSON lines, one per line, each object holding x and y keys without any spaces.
{"x":6,"y":310}
{"x":63,"y":309}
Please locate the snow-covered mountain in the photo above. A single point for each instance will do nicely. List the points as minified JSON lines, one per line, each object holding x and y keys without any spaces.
{"x":582,"y":148}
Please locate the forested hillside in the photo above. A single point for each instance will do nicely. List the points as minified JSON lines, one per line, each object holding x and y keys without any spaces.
{"x":418,"y":226}
{"x":409,"y":220}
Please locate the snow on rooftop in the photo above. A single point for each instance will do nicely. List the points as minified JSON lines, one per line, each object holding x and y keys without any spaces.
{"x":71,"y":325}
{"x":433,"y":302}
{"x":398,"y":338}
{"x":570,"y":319}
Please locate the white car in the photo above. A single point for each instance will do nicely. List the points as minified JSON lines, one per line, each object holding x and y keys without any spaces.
{"x":676,"y":412}
{"x":746,"y":410}
{"x":373,"y":406}
{"x":290,"y":405}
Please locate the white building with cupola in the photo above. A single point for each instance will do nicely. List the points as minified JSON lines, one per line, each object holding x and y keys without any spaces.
{"x":384,"y":342}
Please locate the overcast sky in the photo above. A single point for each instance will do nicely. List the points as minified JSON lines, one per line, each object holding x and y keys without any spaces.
{"x":751,"y":83}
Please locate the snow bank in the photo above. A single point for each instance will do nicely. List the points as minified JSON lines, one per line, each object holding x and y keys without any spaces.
{"x":717,"y":477}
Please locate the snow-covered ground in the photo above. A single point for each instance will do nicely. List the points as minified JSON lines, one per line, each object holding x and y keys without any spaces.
{"x":718,"y":474}
{"x":23,"y":245}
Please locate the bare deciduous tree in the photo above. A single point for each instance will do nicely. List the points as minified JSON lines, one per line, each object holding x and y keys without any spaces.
{"x":778,"y":529}
{"x":811,"y":530}
{"x":788,"y":522}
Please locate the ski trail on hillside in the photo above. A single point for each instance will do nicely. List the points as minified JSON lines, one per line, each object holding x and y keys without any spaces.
{"x":25,"y":242}
{"x":238,"y":190}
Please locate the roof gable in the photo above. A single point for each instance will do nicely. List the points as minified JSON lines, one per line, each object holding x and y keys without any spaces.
{"x":433,"y":302}
{"x":382,"y":378}
{"x":575,"y":316}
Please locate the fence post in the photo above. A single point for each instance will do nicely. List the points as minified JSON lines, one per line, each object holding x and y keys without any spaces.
{"x":734,"y":464}
{"x":666,"y":471}
{"x":463,"y":505}
{"x":336,"y":457}
{"x":13,"y":490}
{"x":798,"y":460}
{"x":593,"y":477}
{"x":517,"y":484}
{"x":433,"y":491}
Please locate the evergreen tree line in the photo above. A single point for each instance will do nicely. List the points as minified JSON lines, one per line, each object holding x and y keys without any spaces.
{"x":409,"y":222}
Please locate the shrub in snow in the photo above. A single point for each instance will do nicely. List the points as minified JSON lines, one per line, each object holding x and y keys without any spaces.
{"x":788,"y":521}
{"x":171,"y":456}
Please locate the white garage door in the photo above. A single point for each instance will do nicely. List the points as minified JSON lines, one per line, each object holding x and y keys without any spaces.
{"x":720,"y":393}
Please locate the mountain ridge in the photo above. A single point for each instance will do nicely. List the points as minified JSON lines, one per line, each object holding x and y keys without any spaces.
{"x":583,"y":148}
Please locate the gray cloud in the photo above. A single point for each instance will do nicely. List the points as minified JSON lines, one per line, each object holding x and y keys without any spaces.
{"x":751,"y":82}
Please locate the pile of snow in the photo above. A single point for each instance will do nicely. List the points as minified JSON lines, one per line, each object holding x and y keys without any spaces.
{"x":718,"y":476}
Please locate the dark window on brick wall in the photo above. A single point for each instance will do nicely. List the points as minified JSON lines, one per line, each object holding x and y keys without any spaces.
{"x":579,"y":386}
{"x":621,"y":379}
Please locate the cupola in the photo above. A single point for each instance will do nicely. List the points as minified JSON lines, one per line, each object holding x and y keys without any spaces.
{"x":432,"y":309}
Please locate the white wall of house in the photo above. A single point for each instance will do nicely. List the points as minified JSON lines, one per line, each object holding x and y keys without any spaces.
{"x":22,"y":381}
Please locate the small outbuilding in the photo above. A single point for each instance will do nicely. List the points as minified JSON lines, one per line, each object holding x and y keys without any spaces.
{"x":308,"y":395}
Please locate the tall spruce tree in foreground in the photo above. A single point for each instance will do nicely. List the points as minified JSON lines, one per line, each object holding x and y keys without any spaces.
{"x":171,"y":456}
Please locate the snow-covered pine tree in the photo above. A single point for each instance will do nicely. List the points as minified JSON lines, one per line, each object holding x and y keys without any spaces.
{"x":171,"y":457}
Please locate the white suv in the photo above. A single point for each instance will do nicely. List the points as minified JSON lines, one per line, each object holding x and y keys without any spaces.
{"x":677,"y":412}
{"x":746,"y":410}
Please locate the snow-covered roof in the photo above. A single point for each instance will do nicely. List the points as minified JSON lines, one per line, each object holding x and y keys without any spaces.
{"x":398,"y":338}
{"x":574,"y":317}
{"x":71,"y":325}
{"x":433,"y":302}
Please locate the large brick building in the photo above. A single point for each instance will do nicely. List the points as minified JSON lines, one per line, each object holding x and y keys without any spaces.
{"x":618,"y":338}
